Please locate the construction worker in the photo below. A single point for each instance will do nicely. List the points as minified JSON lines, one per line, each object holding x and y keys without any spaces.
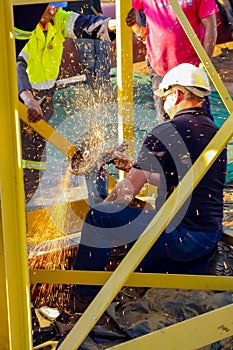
{"x":167,"y":44}
{"x":38,"y":67}
{"x":187,"y":244}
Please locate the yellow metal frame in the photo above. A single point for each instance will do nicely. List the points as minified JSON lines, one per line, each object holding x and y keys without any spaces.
{"x":211,"y":326}
{"x":13,"y":227}
{"x":48,"y":132}
{"x":136,"y":279}
{"x":187,"y":335}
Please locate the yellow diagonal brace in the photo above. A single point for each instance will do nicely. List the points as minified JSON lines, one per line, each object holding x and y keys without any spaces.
{"x":48,"y":133}
{"x":208,"y":65}
{"x":187,"y":335}
{"x":148,"y":237}
{"x":137,"y":279}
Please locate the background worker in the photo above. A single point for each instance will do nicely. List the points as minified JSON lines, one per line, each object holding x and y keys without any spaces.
{"x":38,"y":67}
{"x":94,"y":55}
{"x":166,"y":155}
{"x":167,"y":44}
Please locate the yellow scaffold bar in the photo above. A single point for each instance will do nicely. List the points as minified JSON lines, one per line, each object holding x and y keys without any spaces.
{"x":48,"y":132}
{"x":187,"y":335}
{"x":13,"y":228}
{"x":137,"y":279}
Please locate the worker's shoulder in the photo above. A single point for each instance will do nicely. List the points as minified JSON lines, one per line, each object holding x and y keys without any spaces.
{"x":62,"y":15}
{"x":164,"y":130}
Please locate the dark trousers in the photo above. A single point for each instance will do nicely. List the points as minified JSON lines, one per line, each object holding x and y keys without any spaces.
{"x":109,"y":225}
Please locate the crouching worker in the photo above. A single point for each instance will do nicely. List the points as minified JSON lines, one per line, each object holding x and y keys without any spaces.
{"x":38,"y":66}
{"x":168,"y":152}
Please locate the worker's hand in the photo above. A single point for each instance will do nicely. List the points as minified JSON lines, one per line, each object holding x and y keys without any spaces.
{"x":131,"y":18}
{"x":112,"y":25}
{"x":122,"y":162}
{"x":34,"y":110}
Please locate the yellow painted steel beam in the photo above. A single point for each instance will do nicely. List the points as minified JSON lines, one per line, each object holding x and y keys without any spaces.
{"x":135,"y":280}
{"x":12,"y":195}
{"x":187,"y":335}
{"x":208,"y":65}
{"x":124,"y":50}
{"x":48,"y":132}
{"x":118,"y":279}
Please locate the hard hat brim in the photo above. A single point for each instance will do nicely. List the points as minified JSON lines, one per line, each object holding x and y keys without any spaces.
{"x":159,"y":92}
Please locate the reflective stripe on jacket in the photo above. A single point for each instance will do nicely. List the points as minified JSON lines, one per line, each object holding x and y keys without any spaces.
{"x":32,"y":164}
{"x":22,"y":34}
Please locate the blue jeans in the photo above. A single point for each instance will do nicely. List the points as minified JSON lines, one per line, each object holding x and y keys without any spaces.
{"x":109,"y":225}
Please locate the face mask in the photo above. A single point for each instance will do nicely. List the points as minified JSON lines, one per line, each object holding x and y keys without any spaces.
{"x":170,"y":106}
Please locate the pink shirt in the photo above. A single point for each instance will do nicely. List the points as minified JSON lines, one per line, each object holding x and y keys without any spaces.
{"x":167,"y":44}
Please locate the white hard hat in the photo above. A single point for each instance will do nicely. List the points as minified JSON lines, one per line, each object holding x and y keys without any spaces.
{"x":191,"y":77}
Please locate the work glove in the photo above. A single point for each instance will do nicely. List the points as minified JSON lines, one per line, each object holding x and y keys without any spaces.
{"x":122,"y":162}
